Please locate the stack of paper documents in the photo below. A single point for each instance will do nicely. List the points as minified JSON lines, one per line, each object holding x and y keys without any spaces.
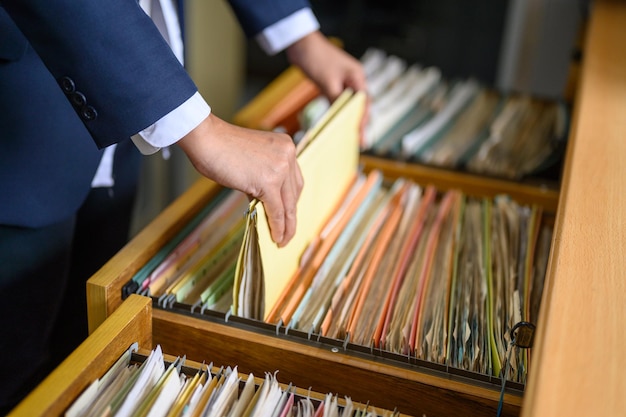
{"x":136,"y":386}
{"x":443,"y":277}
{"x":418,"y":115}
{"x":398,"y":267}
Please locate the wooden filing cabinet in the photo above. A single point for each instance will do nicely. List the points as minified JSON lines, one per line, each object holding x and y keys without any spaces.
{"x":581,"y":331}
{"x":255,"y":346}
{"x":129,"y":324}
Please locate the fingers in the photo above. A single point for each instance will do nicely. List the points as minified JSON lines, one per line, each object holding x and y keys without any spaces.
{"x":279,"y":189}
{"x":289,"y":195}
{"x":330,"y":67}
{"x":364,"y":122}
{"x":281,"y":204}
{"x":345,"y":73}
{"x":332,"y":89}
{"x":356,"y":76}
{"x":261,"y":164}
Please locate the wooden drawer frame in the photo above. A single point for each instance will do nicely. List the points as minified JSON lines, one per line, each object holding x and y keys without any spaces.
{"x":131,"y":323}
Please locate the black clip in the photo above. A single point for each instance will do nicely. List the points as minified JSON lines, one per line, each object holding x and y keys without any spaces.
{"x":129,"y":288}
{"x":523,"y":334}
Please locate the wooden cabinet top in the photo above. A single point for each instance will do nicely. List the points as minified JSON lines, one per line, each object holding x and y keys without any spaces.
{"x":579,"y":362}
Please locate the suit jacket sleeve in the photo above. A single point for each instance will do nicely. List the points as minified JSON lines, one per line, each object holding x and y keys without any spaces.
{"x":108,"y":58}
{"x":256,"y":15}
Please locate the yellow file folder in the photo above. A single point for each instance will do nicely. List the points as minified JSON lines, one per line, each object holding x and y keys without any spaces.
{"x":328,"y":156}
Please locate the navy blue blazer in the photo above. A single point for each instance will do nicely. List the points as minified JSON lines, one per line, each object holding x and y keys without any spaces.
{"x":77,"y":72}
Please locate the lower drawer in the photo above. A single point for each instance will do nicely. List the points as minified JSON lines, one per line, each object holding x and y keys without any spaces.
{"x":130,"y":324}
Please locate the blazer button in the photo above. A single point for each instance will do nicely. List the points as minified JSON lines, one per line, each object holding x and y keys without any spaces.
{"x":88,"y":113}
{"x":67,"y":84}
{"x":78,"y":99}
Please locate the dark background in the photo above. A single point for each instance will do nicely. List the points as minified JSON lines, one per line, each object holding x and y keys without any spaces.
{"x":460,"y":37}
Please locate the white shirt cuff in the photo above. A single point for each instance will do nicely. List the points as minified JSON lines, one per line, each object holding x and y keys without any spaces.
{"x":173,"y":126}
{"x":104,"y":173}
{"x":288,"y":30}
